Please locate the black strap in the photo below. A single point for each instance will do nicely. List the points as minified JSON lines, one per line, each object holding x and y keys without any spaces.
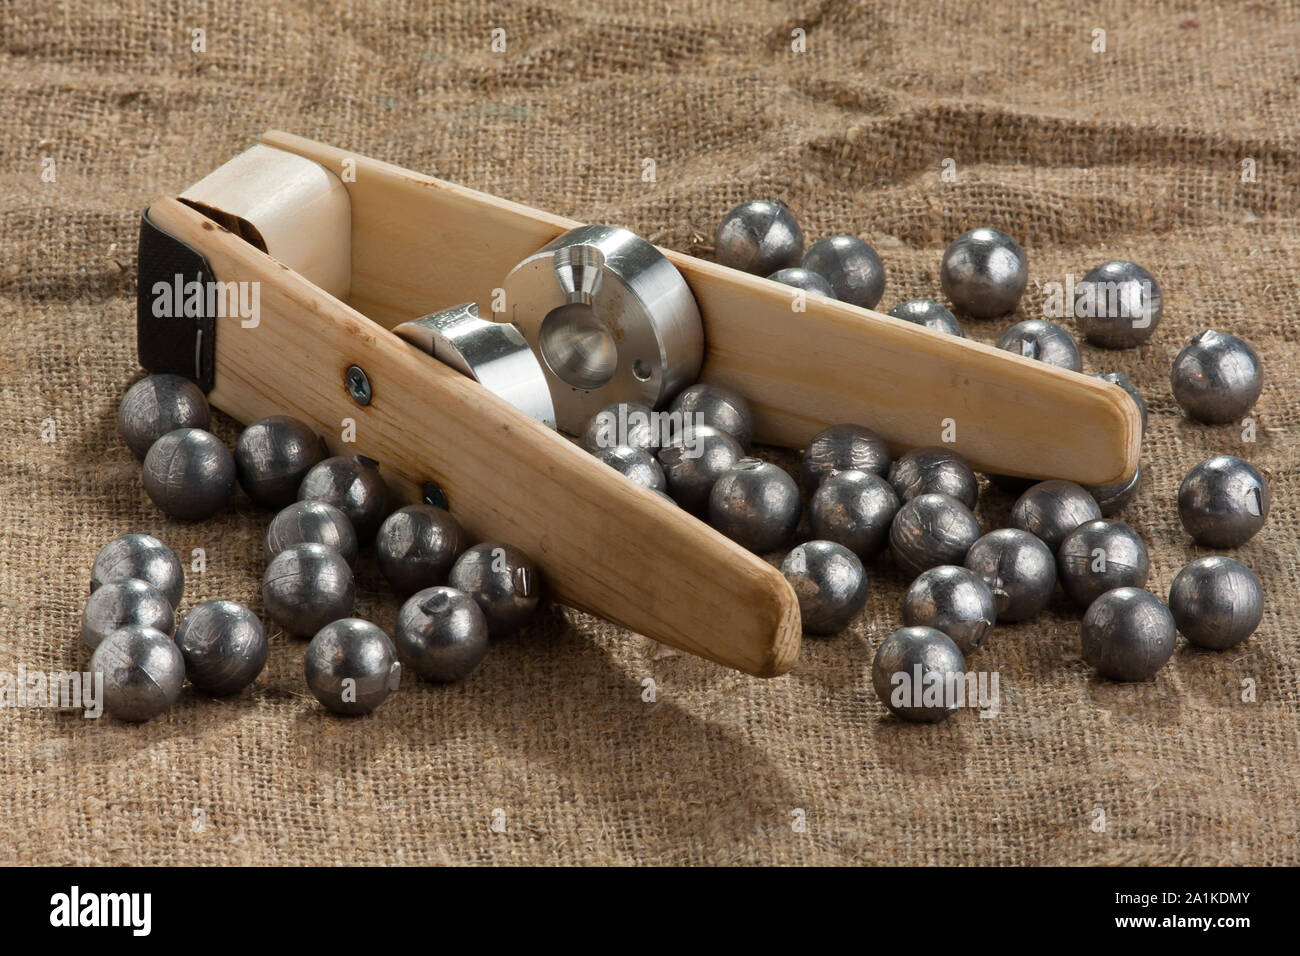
{"x":167,"y":338}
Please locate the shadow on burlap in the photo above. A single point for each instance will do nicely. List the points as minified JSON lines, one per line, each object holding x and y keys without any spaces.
{"x":1135,"y":152}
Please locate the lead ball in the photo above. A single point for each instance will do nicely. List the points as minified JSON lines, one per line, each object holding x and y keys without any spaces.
{"x":716,"y":406}
{"x":355,"y":487}
{"x":1127,"y":635}
{"x":931,"y":530}
{"x":116,"y":605}
{"x":841,"y":448}
{"x":929,"y":313}
{"x":694,"y":460}
{"x":272,"y":457}
{"x":952,"y":600}
{"x":224,"y":647}
{"x":912,"y":661}
{"x":416,"y":547}
{"x":854,"y":508}
{"x":159,"y":404}
{"x":851,"y":266}
{"x":1216,"y":602}
{"x":636,"y":464}
{"x":1120,"y":379}
{"x":1223,"y":502}
{"x":1100,"y":556}
{"x":503,"y":581}
{"x":142,"y":670}
{"x":759,"y":236}
{"x":311,"y":522}
{"x":189,"y":474}
{"x":984,"y":273}
{"x":351,"y":666}
{"x":934,"y":470}
{"x":757,"y":505}
{"x":306,"y":587}
{"x":623,"y":423}
{"x":1117,"y":305}
{"x":1044,"y":341}
{"x":139,"y":556}
{"x":1217,"y":378}
{"x":441,"y":633}
{"x":1019,"y":570}
{"x":1112,"y":499}
{"x":830,"y":583}
{"x":804,"y":279}
{"x":1052,"y":509}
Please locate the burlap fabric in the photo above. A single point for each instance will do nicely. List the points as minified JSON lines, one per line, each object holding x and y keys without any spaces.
{"x":1143,"y":151}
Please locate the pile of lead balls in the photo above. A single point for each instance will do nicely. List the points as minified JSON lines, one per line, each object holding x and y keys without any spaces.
{"x":458,"y":596}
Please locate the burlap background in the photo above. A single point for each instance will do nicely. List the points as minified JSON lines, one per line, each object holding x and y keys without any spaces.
{"x":1133,"y":152}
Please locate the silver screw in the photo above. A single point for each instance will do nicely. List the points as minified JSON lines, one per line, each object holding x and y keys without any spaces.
{"x":358,"y":384}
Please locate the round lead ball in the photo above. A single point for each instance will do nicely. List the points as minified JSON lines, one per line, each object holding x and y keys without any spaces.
{"x":759,"y":236}
{"x":851,"y":266}
{"x":416,"y":547}
{"x":142,"y":670}
{"x":635,"y":464}
{"x":442,"y":634}
{"x":116,"y":605}
{"x":355,"y":487}
{"x":1100,"y":556}
{"x":934,"y":470}
{"x":311,"y":522}
{"x":1216,"y":602}
{"x":272,"y":457}
{"x":841,"y":448}
{"x":1217,"y":377}
{"x":952,"y":600}
{"x":854,"y":508}
{"x":984,"y":273}
{"x":1223,"y":502}
{"x":912,"y":661}
{"x":351,"y":666}
{"x":716,"y":406}
{"x":140,"y":556}
{"x":1052,"y":509}
{"x":503,"y":581}
{"x":1127,"y":635}
{"x":931,"y":530}
{"x":306,"y":587}
{"x":1043,"y":341}
{"x":830,"y":583}
{"x":929,"y":313}
{"x":804,"y":279}
{"x":189,"y":473}
{"x":693,"y":461}
{"x":159,"y":404}
{"x":224,"y":647}
{"x":1117,"y":305}
{"x":622,"y":423}
{"x":757,"y":505}
{"x":1019,"y":570}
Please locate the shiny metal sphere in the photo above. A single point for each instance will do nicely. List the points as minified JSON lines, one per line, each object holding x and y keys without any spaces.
{"x":719,"y":407}
{"x":1052,"y":509}
{"x":623,"y":423}
{"x":929,"y":313}
{"x":694,"y":460}
{"x":1044,"y":341}
{"x":842,"y":448}
{"x":272,"y":457}
{"x":1117,"y":305}
{"x":224,"y":647}
{"x":159,"y":404}
{"x":311,"y":522}
{"x":852,"y":268}
{"x":306,"y":587}
{"x":441,"y":634}
{"x":116,"y":605}
{"x":189,"y":473}
{"x":355,"y":487}
{"x":984,"y":273}
{"x":1216,"y":602}
{"x":417,"y":545}
{"x":503,"y":581}
{"x":1223,"y":502}
{"x":1100,"y":556}
{"x":830,"y":583}
{"x":934,"y":470}
{"x":351,"y":666}
{"x":1120,"y":379}
{"x":1019,"y":570}
{"x":143,"y":672}
{"x":931,"y":530}
{"x":759,"y":236}
{"x":1112,"y":499}
{"x":757,"y":505}
{"x":854,"y":508}
{"x":1217,"y":377}
{"x":636,"y":464}
{"x":804,"y":279}
{"x":1128,"y":635}
{"x":139,"y":556}
{"x":908,"y":661}
{"x":952,"y":600}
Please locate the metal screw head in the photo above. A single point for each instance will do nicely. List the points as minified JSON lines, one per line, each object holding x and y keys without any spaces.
{"x":358,"y":383}
{"x":431,"y":493}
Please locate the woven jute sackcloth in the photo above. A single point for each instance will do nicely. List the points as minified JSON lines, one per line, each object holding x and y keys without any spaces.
{"x":1174,"y":146}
